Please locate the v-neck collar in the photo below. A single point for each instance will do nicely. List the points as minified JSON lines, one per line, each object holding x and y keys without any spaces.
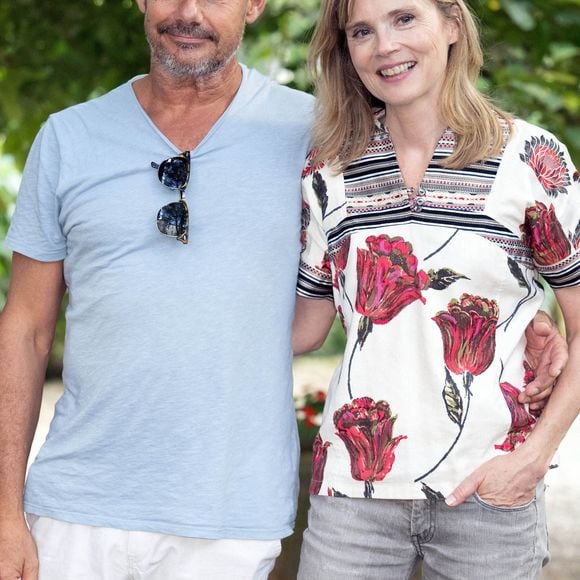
{"x":444,"y":146}
{"x":222,"y":118}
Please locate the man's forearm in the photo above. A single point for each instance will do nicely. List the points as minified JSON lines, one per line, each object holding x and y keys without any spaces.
{"x":23,"y":362}
{"x":560,"y":412}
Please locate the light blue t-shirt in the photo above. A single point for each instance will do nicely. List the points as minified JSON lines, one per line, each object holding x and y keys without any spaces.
{"x":177,"y":414}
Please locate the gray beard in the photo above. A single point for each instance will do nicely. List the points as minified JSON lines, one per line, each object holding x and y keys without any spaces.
{"x":182,"y":70}
{"x":197,"y":70}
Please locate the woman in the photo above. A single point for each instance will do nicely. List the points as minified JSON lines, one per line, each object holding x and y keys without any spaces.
{"x":428,"y":217}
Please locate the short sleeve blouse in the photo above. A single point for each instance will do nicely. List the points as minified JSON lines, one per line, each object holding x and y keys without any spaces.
{"x":434,"y":288}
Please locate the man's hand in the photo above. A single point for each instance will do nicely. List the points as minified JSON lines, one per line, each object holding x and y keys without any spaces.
{"x":506,"y":480}
{"x":18,"y":556}
{"x":547,"y":353}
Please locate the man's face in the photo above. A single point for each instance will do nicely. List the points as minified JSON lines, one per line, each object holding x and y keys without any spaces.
{"x":195,"y":38}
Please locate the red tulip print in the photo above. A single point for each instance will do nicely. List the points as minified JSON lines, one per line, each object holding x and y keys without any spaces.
{"x":468,"y":328}
{"x":388,"y":281}
{"x":340,"y":259}
{"x":543,"y":232}
{"x":468,"y":331}
{"x":522,"y":420}
{"x":366,"y":428}
{"x":319,"y":451}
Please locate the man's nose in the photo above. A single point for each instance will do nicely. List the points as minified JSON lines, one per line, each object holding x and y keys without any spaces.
{"x":190,"y":10}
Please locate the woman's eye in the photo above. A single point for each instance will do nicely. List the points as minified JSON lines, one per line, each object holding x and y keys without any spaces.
{"x":406,"y":19}
{"x":360,"y":32}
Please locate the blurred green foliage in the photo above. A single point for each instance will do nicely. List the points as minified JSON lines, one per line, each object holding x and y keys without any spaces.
{"x":533,"y":62}
{"x":54,"y":54}
{"x":8,"y":185}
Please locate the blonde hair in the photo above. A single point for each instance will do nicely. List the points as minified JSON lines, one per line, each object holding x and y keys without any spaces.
{"x":345,"y":122}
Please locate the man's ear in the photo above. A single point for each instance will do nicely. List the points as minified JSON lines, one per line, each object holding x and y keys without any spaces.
{"x":253,"y":10}
{"x":142,"y":4}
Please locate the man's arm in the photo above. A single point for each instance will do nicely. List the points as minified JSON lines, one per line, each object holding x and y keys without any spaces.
{"x":312,"y":321}
{"x":511,"y":479}
{"x":27,"y":326}
{"x":547,"y":353}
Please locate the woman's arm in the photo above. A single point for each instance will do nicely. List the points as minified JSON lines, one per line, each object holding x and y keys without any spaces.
{"x":510,"y":480}
{"x":312,"y":321}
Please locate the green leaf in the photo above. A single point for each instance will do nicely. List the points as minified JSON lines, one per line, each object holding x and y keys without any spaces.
{"x":520,"y":14}
{"x":452,"y":398}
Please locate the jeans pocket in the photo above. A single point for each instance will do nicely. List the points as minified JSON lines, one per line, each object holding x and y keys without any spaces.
{"x":502,"y":508}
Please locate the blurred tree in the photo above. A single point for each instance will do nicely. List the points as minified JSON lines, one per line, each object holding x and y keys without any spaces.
{"x":533,"y":62}
{"x":8,"y":185}
{"x":54,"y":54}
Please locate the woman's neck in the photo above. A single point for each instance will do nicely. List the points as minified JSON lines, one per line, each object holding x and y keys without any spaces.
{"x":415,"y":136}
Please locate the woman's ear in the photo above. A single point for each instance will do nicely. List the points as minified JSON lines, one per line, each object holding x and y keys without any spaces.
{"x":454,"y":25}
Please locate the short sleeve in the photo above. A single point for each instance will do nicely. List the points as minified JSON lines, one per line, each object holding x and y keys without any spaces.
{"x":35,"y":230}
{"x":551,"y":225}
{"x":315,"y":276}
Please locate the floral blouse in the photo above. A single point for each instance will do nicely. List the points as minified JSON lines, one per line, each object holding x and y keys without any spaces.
{"x":434,"y":288}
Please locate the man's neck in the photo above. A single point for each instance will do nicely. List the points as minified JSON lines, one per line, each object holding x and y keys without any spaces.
{"x":185,"y":109}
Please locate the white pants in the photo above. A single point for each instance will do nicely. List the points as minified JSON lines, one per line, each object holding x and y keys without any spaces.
{"x":77,"y":552}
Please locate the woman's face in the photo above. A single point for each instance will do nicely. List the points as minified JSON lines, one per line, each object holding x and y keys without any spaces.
{"x":399,"y":49}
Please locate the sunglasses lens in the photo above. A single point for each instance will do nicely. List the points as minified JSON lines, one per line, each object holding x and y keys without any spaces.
{"x":174,"y":172}
{"x":173,"y":220}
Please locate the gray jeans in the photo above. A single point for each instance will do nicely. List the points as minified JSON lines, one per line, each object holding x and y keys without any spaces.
{"x":350,"y":539}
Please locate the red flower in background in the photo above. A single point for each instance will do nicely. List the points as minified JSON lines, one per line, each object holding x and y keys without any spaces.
{"x":544,"y":234}
{"x":388,"y":280}
{"x":309,"y":409}
{"x":319,"y":451}
{"x":546,"y":159}
{"x":309,"y":414}
{"x":320,"y":396}
{"x":522,"y":420}
{"x":366,"y":428}
{"x":468,"y":332}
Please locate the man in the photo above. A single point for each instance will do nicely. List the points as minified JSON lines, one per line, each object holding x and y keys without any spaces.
{"x":173,"y":451}
{"x":177,"y":404}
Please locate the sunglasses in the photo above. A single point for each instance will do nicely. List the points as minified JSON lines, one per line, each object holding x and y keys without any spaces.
{"x":173,"y":218}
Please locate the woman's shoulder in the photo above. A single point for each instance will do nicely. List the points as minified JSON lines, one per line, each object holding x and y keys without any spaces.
{"x":314,"y":165}
{"x":523,"y":131}
{"x":531,"y":144}
{"x":534,"y":148}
